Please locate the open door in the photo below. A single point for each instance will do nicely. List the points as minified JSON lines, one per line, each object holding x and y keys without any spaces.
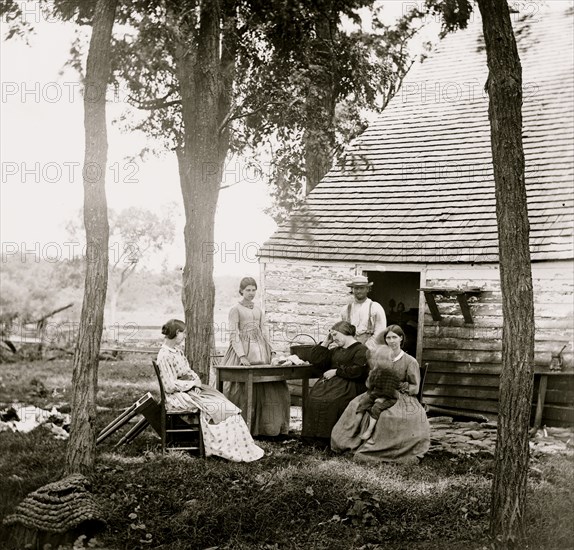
{"x":398,"y":293}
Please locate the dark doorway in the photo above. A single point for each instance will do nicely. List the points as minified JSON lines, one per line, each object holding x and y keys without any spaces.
{"x":397,"y":292}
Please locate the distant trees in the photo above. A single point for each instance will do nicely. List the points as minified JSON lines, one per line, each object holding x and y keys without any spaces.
{"x":135,"y":235}
{"x":33,"y":284}
{"x":31,"y":287}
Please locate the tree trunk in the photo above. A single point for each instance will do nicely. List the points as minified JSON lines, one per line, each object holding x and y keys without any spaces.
{"x":205,"y":98}
{"x":319,"y":135}
{"x":81,"y":449}
{"x":511,"y":461}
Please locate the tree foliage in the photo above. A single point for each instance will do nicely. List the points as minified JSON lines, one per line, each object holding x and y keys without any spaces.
{"x":135,"y":234}
{"x":303,"y":83}
{"x":303,"y":100}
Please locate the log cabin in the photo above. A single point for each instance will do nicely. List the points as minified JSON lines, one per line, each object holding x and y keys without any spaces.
{"x":412,"y":206}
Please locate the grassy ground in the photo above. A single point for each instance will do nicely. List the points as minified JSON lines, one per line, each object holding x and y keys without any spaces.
{"x":297,"y":496}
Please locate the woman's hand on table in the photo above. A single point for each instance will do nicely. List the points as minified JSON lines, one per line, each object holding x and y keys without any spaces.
{"x":244,"y":361}
{"x":327,"y":375}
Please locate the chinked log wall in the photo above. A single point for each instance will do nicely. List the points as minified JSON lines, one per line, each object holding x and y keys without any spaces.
{"x":302,"y":298}
{"x":464,"y":360}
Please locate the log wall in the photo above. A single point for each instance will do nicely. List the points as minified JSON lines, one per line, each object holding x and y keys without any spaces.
{"x":303,"y":298}
{"x":464,"y":360}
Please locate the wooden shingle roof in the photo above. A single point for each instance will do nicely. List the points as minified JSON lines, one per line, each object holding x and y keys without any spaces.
{"x":417,"y":186}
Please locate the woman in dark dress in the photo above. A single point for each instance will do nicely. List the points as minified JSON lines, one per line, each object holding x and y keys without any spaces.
{"x":345,"y":370}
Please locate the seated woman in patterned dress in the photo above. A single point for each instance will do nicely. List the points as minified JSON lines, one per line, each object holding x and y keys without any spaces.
{"x":225,"y":433}
{"x":402,"y":432}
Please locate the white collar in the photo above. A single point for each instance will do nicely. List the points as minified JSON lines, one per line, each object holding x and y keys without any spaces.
{"x":170,"y":349}
{"x":399,"y":356}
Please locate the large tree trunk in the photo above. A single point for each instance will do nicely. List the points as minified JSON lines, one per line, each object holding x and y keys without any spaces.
{"x":81,"y":449}
{"x":319,"y":135}
{"x":505,"y":91}
{"x":203,"y":76}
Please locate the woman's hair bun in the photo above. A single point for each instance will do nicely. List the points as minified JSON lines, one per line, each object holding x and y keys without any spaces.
{"x":172,"y":327}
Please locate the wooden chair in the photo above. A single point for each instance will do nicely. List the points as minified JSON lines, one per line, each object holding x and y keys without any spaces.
{"x":178,"y":433}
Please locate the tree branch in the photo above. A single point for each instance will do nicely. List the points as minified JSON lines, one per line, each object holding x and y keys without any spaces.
{"x":154,"y":104}
{"x":228,"y":118}
{"x":47,"y":316}
{"x":227,"y":186}
{"x":125,"y":274}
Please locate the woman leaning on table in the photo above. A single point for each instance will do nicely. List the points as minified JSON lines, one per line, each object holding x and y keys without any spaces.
{"x":344,"y":361}
{"x":248,"y":345}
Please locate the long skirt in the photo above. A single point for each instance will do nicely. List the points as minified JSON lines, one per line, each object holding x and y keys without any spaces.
{"x":401,"y":434}
{"x":271,"y":402}
{"x":326,"y":402}
{"x":230,"y":439}
{"x":224,"y":431}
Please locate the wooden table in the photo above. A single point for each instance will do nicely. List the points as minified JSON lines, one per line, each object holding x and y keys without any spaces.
{"x":259,"y":374}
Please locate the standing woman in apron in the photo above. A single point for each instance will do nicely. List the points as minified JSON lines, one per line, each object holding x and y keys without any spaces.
{"x":248,"y":345}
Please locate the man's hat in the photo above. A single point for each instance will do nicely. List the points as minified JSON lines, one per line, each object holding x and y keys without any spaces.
{"x":359,"y":280}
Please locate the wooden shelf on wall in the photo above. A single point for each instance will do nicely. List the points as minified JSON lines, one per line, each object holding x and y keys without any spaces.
{"x":461,"y":294}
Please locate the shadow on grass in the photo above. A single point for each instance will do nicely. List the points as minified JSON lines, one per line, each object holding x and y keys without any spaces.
{"x":297,"y":496}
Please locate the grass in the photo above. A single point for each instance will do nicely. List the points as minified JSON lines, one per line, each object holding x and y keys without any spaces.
{"x":297,"y":496}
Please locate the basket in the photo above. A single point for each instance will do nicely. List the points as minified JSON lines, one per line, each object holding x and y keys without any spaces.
{"x":301,"y":350}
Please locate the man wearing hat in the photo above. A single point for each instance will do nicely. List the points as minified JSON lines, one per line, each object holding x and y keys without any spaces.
{"x":368,"y":317}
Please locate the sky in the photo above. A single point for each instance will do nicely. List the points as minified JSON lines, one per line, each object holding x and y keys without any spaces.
{"x":41,"y":153}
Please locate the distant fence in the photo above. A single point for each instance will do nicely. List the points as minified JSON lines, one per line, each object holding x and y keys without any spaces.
{"x":126,"y":337}
{"x":132,"y":334}
{"x":61,"y":334}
